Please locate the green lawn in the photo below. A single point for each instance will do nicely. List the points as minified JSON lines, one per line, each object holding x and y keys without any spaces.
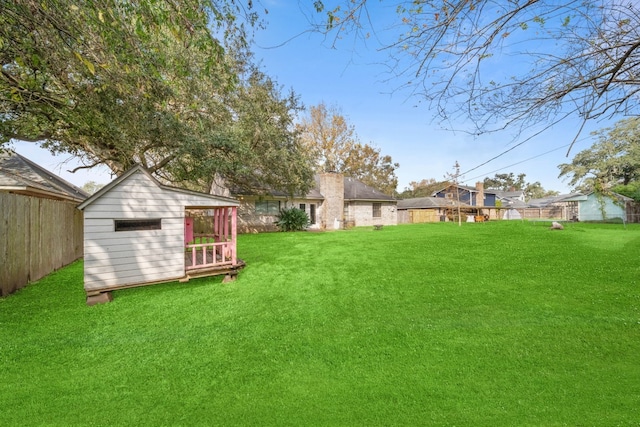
{"x":495,"y":324}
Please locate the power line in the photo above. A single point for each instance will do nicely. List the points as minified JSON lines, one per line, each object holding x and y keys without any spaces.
{"x":523,"y":161}
{"x":517,"y":163}
{"x":527,"y":139}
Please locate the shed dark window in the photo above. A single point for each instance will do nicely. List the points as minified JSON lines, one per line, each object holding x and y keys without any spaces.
{"x":138,"y":224}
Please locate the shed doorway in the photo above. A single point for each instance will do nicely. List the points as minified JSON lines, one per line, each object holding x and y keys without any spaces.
{"x":210,"y":239}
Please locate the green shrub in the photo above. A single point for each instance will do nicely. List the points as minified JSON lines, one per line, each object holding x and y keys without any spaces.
{"x":292,"y":219}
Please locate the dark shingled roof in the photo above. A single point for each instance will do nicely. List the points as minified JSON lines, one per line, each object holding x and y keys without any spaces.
{"x":547,"y":201}
{"x":356,"y":190}
{"x":20,"y":175}
{"x":353,"y":190}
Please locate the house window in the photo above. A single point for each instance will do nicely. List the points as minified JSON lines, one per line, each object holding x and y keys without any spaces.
{"x":267,"y":207}
{"x":303,"y":207}
{"x":137,"y":224}
{"x":377,"y":210}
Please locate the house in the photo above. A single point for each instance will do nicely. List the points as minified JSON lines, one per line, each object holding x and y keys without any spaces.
{"x":511,"y":200}
{"x":19,"y":175}
{"x":333,"y":203}
{"x":473,"y":196}
{"x":561,"y":207}
{"x":138,"y":231}
{"x":599,"y":207}
{"x":510,"y":204}
{"x":476,"y":203}
{"x":427,"y":209}
{"x":40,"y":227}
{"x":509,"y":196}
{"x":259,"y":212}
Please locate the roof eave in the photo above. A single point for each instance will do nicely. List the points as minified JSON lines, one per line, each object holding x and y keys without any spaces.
{"x":27,"y":190}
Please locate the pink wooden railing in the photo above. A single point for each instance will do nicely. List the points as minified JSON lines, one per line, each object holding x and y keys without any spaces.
{"x":219,"y":248}
{"x":205,"y":255}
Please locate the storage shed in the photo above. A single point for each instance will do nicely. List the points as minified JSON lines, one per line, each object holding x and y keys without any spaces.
{"x":138,"y":231}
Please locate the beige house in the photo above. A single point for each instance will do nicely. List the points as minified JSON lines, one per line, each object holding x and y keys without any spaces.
{"x":335,"y":202}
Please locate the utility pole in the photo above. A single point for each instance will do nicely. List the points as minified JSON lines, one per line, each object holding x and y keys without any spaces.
{"x":454,"y":177}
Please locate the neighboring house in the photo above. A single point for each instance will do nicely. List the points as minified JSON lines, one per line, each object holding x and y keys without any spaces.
{"x":595,"y":207}
{"x":473,"y":196}
{"x":334,"y":202}
{"x":510,"y":203}
{"x":19,"y":175}
{"x":427,"y":209}
{"x":561,"y":207}
{"x":506,"y":197}
{"x":40,"y":228}
{"x":138,"y":231}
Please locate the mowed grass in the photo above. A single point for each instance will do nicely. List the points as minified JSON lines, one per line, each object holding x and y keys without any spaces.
{"x":495,"y":324}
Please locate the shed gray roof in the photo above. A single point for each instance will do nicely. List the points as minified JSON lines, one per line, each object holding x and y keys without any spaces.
{"x":22,"y":176}
{"x":139,"y":168}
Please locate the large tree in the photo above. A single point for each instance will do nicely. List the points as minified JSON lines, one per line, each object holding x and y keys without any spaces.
{"x":502,"y":63}
{"x":160,"y":83}
{"x":333,"y":146}
{"x":613,"y":160}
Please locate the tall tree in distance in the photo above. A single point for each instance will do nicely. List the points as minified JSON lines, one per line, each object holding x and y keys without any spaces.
{"x":506,"y":182}
{"x":366,"y":164}
{"x":566,"y":58}
{"x":613,"y":160}
{"x":333,"y":146}
{"x":328,"y":137}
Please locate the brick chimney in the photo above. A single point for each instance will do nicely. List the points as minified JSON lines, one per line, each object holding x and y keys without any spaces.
{"x":332,"y":188}
{"x":480,"y":194}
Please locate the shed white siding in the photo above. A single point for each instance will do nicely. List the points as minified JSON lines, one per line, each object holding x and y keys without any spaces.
{"x":113,"y":259}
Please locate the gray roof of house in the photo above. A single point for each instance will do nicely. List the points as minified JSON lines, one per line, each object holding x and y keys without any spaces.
{"x":353,"y":190}
{"x":546,"y":201}
{"x":612,"y":195}
{"x":356,"y":190}
{"x":20,"y":175}
{"x":514,"y":203}
{"x":313,"y":194}
{"x":507,"y":194}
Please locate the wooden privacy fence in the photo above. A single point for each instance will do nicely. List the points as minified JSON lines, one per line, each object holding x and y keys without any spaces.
{"x":37,"y":236}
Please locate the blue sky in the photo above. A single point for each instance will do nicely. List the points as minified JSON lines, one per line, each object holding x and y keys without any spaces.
{"x":352,"y":77}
